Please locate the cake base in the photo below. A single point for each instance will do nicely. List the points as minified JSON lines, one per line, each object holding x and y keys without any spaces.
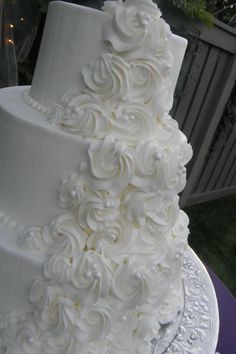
{"x":196,"y":329}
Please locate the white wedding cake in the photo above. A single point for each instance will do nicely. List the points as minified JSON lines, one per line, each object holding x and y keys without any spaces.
{"x":91,"y":164}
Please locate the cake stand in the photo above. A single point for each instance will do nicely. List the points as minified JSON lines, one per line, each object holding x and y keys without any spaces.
{"x":195,"y":330}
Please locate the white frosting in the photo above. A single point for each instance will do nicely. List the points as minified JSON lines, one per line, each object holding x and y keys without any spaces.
{"x":160,"y":168}
{"x":34,"y":157}
{"x":91,"y":276}
{"x":18,"y":269}
{"x":82,"y":115}
{"x":68,"y":28}
{"x":108,"y":78}
{"x":115,"y":241}
{"x":134,"y":32}
{"x":142,"y":205}
{"x":71,"y":27}
{"x":110,"y":265}
{"x":147,"y":78}
{"x":111,"y":165}
{"x":151,"y":242}
{"x":79,"y":309}
{"x":100,"y":207}
{"x":72,"y":192}
{"x":132,"y":121}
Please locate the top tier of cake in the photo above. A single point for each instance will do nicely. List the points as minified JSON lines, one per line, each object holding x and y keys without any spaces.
{"x":73,"y":35}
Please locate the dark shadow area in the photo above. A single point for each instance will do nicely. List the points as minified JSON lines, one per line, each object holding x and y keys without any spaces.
{"x":213,"y":237}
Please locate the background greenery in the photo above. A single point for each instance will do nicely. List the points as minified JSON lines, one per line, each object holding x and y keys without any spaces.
{"x":213,"y":237}
{"x":205,"y":10}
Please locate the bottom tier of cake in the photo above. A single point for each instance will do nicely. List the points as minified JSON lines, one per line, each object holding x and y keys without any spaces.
{"x":41,"y":316}
{"x":194,"y":329}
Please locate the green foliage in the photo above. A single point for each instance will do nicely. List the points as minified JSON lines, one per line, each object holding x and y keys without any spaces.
{"x":223,"y":10}
{"x":195,"y":10}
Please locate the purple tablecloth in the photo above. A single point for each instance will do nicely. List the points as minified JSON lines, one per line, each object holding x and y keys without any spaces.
{"x":227,"y":313}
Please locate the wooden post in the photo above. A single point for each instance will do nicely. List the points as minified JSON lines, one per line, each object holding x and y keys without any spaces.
{"x":221,"y":97}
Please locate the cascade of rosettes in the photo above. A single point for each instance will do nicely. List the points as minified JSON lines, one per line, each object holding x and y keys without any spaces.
{"x":113,"y":268}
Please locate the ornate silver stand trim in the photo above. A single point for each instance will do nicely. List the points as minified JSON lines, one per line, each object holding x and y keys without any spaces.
{"x":196,"y":329}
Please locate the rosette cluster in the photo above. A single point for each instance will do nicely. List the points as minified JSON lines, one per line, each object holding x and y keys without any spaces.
{"x":113,"y":268}
{"x":128,"y":89}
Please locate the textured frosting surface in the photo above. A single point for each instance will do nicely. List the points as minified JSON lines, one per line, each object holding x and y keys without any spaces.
{"x":34,"y":156}
{"x":81,"y":33}
{"x":113,"y":259}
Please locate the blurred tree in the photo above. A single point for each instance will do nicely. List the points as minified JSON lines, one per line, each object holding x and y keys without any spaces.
{"x":223,"y":10}
{"x":205,"y":10}
{"x":19,"y":25}
{"x":22,"y":23}
{"x":195,"y":10}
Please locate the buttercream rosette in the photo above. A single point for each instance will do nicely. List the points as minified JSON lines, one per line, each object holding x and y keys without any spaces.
{"x":84,"y":115}
{"x":108,"y":78}
{"x":111,"y":165}
{"x":115,"y":241}
{"x":100,"y":207}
